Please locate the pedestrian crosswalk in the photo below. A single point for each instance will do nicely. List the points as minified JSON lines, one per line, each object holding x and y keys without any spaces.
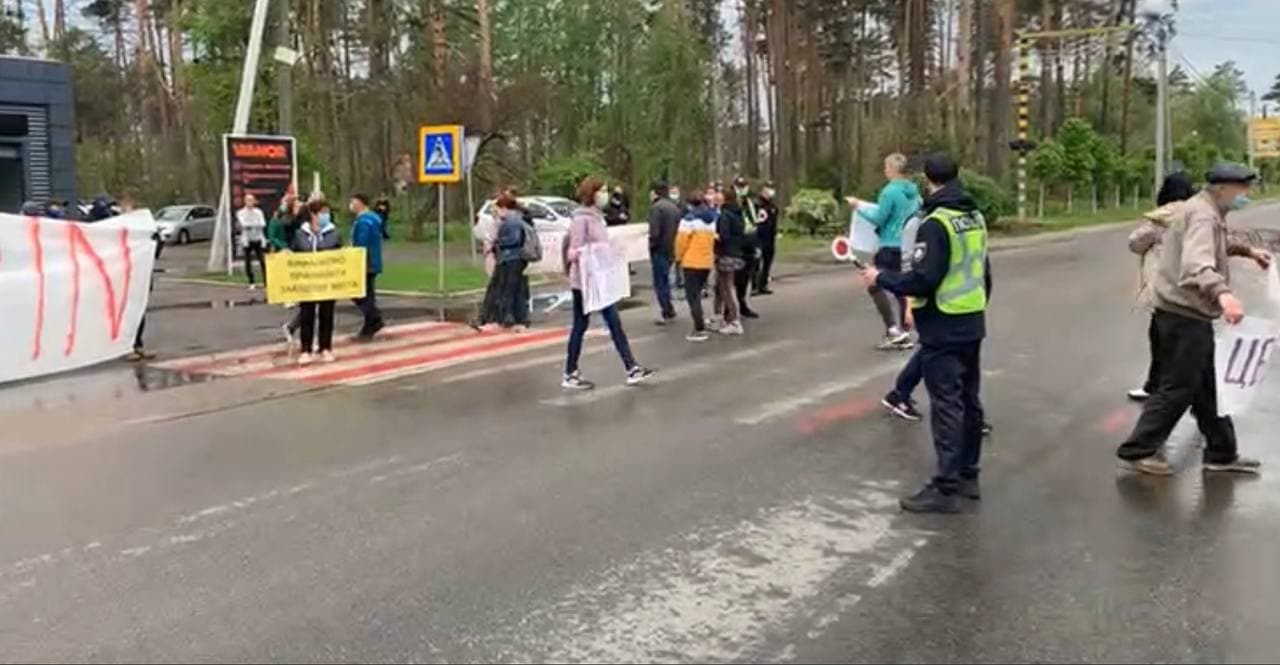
{"x":399,"y":351}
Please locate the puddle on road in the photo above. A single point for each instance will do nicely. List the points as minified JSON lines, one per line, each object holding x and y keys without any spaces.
{"x":113,"y":382}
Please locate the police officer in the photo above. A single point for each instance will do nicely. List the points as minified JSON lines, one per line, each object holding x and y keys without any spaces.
{"x":949,"y":282}
{"x":766,"y":236}
{"x":744,"y":278}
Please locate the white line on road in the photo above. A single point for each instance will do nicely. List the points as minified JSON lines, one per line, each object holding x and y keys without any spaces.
{"x":455,"y":458}
{"x":682,"y":372}
{"x":780,"y":408}
{"x":537,"y":362}
{"x":721,"y":600}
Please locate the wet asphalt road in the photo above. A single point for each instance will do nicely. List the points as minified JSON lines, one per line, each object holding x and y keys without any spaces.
{"x":740,"y":508}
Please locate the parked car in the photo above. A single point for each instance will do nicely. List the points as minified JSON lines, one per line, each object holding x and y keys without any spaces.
{"x":550,"y":213}
{"x":186,"y":223}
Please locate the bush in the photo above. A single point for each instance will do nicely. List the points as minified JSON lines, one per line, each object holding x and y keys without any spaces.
{"x":559,"y":176}
{"x":813,"y":211}
{"x":991,"y":198}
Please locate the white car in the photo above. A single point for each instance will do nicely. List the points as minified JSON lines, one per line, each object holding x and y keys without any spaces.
{"x":550,"y":213}
{"x":187,"y":223}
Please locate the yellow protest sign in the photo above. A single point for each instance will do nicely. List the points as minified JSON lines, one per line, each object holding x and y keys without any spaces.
{"x":315,"y":276}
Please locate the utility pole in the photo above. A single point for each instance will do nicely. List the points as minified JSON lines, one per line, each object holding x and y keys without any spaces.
{"x":284,"y":71}
{"x":1162,"y":101}
{"x":220,"y":252}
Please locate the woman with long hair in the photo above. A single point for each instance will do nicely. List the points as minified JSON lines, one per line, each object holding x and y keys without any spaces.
{"x":588,"y":228}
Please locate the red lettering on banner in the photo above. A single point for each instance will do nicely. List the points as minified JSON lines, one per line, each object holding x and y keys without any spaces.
{"x":260,"y":150}
{"x":77,"y":242}
{"x":37,"y":253}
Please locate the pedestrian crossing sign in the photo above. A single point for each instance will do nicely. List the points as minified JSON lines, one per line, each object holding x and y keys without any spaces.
{"x":440,"y":154}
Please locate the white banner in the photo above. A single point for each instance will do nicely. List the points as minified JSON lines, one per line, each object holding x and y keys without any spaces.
{"x":863,"y":233}
{"x":71,"y":294}
{"x":631,"y":241}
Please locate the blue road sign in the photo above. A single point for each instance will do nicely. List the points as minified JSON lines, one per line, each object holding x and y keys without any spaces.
{"x":440,"y":155}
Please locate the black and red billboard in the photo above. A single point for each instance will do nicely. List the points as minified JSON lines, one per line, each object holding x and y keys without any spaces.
{"x":265,"y":166}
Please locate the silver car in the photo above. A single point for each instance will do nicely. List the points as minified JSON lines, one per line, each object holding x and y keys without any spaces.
{"x":186,"y":223}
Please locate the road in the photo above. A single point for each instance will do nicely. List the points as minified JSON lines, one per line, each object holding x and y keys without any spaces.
{"x":740,"y":508}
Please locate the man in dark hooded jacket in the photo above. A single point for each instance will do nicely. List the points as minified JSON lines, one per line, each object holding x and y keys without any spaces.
{"x":949,"y":283}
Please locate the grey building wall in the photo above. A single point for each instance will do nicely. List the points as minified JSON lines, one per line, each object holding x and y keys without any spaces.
{"x":42,"y":90}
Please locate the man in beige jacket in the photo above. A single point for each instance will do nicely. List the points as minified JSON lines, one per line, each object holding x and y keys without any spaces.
{"x":1190,"y":290}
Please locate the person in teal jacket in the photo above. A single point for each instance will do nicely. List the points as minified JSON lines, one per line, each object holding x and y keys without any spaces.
{"x":367,"y":233}
{"x":899,"y":201}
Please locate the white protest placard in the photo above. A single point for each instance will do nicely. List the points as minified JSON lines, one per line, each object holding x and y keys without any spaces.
{"x":863,"y":233}
{"x":630,"y":240}
{"x":71,"y":294}
{"x":1240,"y":359}
{"x":606,"y":278}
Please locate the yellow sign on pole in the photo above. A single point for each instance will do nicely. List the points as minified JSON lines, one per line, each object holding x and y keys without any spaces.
{"x":315,"y":276}
{"x":1264,"y":137}
{"x":440,"y":154}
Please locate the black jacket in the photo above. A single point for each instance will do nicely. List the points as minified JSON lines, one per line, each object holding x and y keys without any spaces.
{"x":618,"y":212}
{"x":931,"y":261}
{"x":731,"y":233}
{"x":766,"y":219}
{"x":664,"y":224}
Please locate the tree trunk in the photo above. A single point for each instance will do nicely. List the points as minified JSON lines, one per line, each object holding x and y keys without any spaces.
{"x":438,"y":37}
{"x":1071,"y":199}
{"x":1126,"y":94}
{"x":964,"y":76}
{"x":1046,"y":72}
{"x":1059,"y":73}
{"x":784,"y":112}
{"x":485,"y":75}
{"x":1041,"y":206}
{"x":43,"y":20}
{"x":60,"y":19}
{"x":751,"y":161}
{"x":1001,"y":98}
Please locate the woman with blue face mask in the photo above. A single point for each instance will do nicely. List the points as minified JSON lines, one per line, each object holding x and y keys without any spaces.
{"x":318,"y":235}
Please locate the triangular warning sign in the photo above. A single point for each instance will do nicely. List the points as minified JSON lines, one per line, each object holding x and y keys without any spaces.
{"x":440,"y":159}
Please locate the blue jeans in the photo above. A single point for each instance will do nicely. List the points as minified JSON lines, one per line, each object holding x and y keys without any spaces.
{"x":662,"y":284}
{"x":907,"y":380}
{"x":582,"y":321}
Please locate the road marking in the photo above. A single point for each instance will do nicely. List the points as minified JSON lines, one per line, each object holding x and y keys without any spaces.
{"x":1116,"y":420}
{"x":682,"y":372}
{"x":425,"y":360}
{"x":721,"y":600}
{"x":547,"y":360}
{"x":455,"y":458}
{"x":780,"y":408}
{"x":888,"y":572}
{"x":839,"y":413}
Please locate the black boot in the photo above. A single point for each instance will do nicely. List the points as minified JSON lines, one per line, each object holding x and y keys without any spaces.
{"x":931,"y":500}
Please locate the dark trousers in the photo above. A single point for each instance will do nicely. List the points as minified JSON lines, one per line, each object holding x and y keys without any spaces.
{"x":662,"y":284}
{"x":582,"y":321}
{"x":694,"y":282}
{"x":369,"y":305}
{"x":250,"y":251}
{"x":908,"y":379}
{"x":953,"y":376}
{"x":888,"y":259}
{"x":513,"y":293}
{"x":768,"y":249}
{"x":1153,"y":373}
{"x":1186,"y":380}
{"x":308,"y":311}
{"x":742,"y":281}
{"x":137,"y":338}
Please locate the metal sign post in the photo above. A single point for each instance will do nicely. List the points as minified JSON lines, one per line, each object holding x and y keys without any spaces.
{"x":441,"y":151}
{"x":440,"y":248}
{"x":473,"y":149}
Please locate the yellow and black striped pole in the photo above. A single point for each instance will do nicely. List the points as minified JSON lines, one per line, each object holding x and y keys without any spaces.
{"x":1024,"y":121}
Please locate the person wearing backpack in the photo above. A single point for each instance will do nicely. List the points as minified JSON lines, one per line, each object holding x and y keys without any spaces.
{"x":515,"y":246}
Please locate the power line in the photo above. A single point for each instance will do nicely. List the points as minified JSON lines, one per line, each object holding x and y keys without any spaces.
{"x":1224,"y":38}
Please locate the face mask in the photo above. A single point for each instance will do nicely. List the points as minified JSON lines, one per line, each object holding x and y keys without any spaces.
{"x":674,"y":196}
{"x":1238,"y":202}
{"x":743,"y":191}
{"x":602,"y":199}
{"x":325,"y":219}
{"x":768,"y":193}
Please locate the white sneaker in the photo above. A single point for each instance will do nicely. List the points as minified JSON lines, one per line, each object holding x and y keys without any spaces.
{"x":1139,"y":395}
{"x":253,"y":287}
{"x":733,"y":329}
{"x":638,"y":375}
{"x":328,"y":357}
{"x":576,"y":382}
{"x":305,"y":359}
{"x":700,"y":336}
